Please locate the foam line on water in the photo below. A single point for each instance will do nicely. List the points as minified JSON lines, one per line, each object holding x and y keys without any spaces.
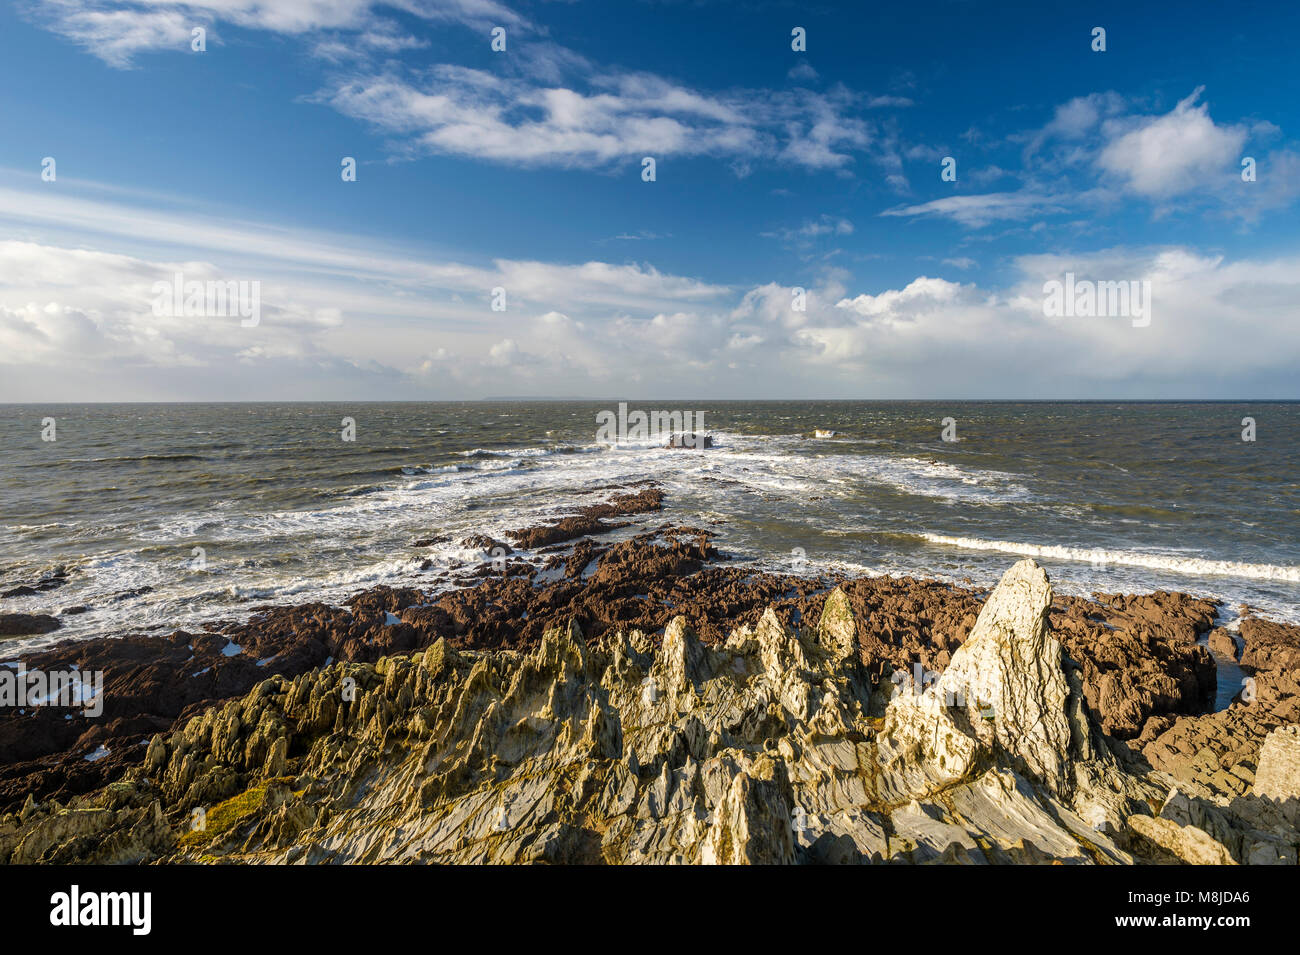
{"x":1193,"y":566}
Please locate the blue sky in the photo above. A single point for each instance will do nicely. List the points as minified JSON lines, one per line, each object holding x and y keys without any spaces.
{"x":522,"y":170}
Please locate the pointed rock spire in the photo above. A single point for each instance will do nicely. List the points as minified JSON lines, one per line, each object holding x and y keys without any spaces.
{"x":562,"y":649}
{"x":1008,"y":680}
{"x":680,"y":665}
{"x":1004,"y":695}
{"x":837,"y":629}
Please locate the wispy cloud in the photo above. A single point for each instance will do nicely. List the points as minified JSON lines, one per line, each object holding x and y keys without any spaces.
{"x":825,"y":225}
{"x":117,"y":31}
{"x":543,"y":105}
{"x":980,"y":210}
{"x":324,"y":257}
{"x":1099,"y":149}
{"x":602,"y":118}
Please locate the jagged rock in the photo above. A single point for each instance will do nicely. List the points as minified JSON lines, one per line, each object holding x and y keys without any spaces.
{"x":1187,"y":843}
{"x":752,"y":824}
{"x":1004,"y":692}
{"x":1278,"y":775}
{"x":679,"y":668}
{"x":276,"y":758}
{"x":155,"y":757}
{"x":1139,"y":663}
{"x":837,"y":628}
{"x":1223,"y":643}
{"x":632,"y":748}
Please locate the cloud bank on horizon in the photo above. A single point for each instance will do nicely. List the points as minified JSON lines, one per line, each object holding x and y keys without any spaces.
{"x":647,"y":200}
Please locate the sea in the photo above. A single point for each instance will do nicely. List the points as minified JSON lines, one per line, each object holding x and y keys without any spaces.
{"x":168,"y":515}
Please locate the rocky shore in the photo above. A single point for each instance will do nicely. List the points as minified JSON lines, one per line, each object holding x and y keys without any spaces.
{"x":643,"y":700}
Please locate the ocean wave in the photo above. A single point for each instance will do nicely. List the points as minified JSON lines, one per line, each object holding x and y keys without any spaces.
{"x":435,"y":469}
{"x":1192,"y":566}
{"x":529,"y":451}
{"x":128,"y":459}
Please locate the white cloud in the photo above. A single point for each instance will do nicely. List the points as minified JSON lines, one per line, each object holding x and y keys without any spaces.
{"x":75,"y":320}
{"x":507,"y":353}
{"x":1169,"y":155}
{"x":1096,"y":150}
{"x":802,"y":72}
{"x":117,"y":30}
{"x":814,"y":229}
{"x":979,"y":210}
{"x":1072,"y":122}
{"x":330,"y":302}
{"x":344,"y":317}
{"x":613,"y":117}
{"x":336,"y":264}
{"x":544,"y":105}
{"x":921,"y":296}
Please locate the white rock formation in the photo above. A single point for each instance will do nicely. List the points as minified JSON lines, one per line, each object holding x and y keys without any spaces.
{"x":1278,"y":775}
{"x":1004,"y":695}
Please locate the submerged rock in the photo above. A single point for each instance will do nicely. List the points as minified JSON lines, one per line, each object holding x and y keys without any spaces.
{"x":27,"y":624}
{"x":689,"y":439}
{"x":56,"y":578}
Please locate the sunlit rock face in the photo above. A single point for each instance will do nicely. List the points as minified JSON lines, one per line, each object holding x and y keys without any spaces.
{"x":765,"y":748}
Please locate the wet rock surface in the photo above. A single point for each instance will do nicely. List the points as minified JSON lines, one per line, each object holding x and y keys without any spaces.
{"x":690,"y":439}
{"x":26,"y":624}
{"x":592,"y":519}
{"x":56,"y":578}
{"x":1217,"y":754}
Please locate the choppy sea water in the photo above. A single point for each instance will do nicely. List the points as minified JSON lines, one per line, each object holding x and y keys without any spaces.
{"x":1108,"y":496}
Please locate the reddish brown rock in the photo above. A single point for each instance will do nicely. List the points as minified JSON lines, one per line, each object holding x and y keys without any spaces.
{"x":1139,"y":655}
{"x":489,"y":544}
{"x":26,"y":624}
{"x":1269,"y":645}
{"x":1218,"y":753}
{"x":1222,"y":642}
{"x":592,"y":519}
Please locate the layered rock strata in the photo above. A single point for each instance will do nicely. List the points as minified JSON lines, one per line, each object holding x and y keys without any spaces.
{"x":773,"y":745}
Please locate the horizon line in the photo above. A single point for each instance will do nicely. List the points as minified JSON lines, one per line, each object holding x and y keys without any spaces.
{"x":539,"y":399}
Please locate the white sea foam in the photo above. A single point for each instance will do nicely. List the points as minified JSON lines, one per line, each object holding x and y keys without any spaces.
{"x":1193,"y":566}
